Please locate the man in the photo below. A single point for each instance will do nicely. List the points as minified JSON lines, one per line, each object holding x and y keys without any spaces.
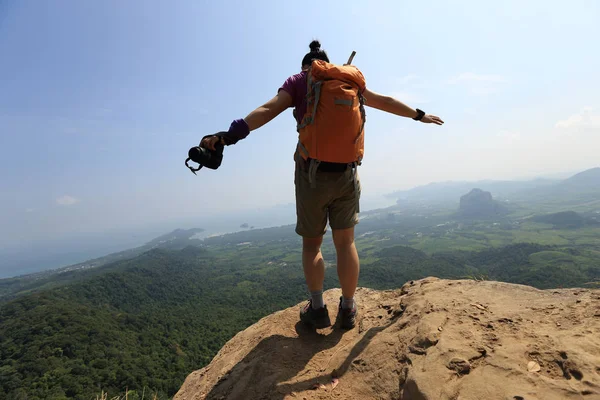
{"x":322,"y":193}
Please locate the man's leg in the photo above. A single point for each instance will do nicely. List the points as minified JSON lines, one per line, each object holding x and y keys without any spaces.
{"x":343,"y":217}
{"x":314,"y":313}
{"x":348,"y":265}
{"x":311,"y":222}
{"x":314,"y":268}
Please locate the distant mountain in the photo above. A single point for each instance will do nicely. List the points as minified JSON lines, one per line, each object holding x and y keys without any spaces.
{"x":578,"y":189}
{"x":479,"y":204}
{"x":586,"y":179}
{"x":564,"y":220}
{"x":176,"y":240}
{"x":179,"y":239}
{"x":450,"y":192}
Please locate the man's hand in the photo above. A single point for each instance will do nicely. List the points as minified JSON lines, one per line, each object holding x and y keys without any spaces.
{"x":209,"y":142}
{"x":429,"y":119}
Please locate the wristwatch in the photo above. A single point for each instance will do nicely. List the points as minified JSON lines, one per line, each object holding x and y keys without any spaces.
{"x":420,"y":114}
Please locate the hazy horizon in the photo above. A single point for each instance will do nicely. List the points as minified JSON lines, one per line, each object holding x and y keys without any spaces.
{"x":60,"y":252}
{"x":100,"y":103}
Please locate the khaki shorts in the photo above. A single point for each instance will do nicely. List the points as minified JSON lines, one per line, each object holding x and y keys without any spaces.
{"x":333,"y":198}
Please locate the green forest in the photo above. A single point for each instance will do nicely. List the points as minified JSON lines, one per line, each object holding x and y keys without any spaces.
{"x":145,"y":322}
{"x":146,"y":325}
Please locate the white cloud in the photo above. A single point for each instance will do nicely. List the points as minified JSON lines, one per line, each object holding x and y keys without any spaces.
{"x":586,"y":118}
{"x":66,"y":200}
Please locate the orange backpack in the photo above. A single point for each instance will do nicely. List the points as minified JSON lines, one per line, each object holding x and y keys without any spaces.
{"x":332,"y":129}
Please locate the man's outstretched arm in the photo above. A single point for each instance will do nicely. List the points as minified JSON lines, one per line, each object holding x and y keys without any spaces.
{"x":394,"y":106}
{"x":269,"y":110}
{"x":240,"y":128}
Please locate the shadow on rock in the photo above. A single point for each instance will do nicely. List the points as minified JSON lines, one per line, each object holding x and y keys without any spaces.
{"x":266,"y":372}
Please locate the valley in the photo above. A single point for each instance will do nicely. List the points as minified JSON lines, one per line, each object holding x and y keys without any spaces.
{"x":145,"y":318}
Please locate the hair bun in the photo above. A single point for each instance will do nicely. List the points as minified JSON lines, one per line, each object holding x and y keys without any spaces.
{"x":315,"y":46}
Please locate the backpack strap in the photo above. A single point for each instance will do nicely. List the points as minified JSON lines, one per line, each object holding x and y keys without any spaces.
{"x":363,"y":114}
{"x":315,"y":89}
{"x":313,"y":166}
{"x":354,"y":172}
{"x":303,"y":149}
{"x":194,"y":170}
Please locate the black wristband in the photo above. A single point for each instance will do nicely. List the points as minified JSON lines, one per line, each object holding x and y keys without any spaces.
{"x":420,"y":114}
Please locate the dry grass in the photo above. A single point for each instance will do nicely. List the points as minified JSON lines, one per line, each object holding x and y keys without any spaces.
{"x":477,"y":277}
{"x":104,"y":396}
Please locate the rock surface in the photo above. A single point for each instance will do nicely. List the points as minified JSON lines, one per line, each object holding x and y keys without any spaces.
{"x":432,"y":339}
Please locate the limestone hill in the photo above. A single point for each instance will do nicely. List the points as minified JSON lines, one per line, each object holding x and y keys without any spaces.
{"x":480,"y":204}
{"x":432,"y":339}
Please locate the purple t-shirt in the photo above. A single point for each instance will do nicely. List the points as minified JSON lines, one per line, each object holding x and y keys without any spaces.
{"x":295,"y":85}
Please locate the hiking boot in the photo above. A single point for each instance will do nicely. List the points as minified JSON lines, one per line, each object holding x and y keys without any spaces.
{"x":347,"y":316}
{"x":318,"y":318}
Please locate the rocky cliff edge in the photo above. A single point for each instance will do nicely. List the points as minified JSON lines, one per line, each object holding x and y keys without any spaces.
{"x":430,"y":339}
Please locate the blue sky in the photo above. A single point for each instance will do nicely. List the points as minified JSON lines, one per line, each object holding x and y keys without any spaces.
{"x":100,"y":101}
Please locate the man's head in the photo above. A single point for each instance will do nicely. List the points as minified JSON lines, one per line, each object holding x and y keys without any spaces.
{"x":315,"y":54}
